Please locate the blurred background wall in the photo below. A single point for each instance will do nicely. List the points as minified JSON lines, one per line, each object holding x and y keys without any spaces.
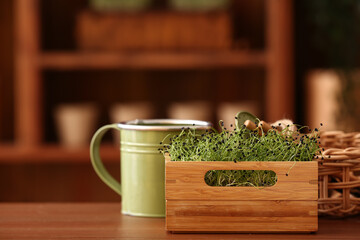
{"x":69,"y":67}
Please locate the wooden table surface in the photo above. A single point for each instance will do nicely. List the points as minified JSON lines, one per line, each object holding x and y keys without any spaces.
{"x":104,"y":221}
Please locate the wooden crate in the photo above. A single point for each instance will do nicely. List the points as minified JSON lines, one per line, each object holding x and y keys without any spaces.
{"x":288,"y":206}
{"x":153,"y":31}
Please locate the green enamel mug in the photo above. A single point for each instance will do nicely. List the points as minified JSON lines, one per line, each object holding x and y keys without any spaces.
{"x":142,"y":186}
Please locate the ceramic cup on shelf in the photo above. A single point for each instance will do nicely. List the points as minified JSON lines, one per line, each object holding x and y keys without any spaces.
{"x":121,"y":112}
{"x":322,"y":101}
{"x":226,"y":111}
{"x":142,"y":187}
{"x":200,"y":110}
{"x":75,"y":123}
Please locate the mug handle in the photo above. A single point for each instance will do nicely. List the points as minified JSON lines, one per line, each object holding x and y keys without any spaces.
{"x":97,"y":162}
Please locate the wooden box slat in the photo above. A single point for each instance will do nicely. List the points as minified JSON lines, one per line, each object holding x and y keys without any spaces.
{"x":288,"y":206}
{"x":241,"y":216}
{"x":185,"y":180}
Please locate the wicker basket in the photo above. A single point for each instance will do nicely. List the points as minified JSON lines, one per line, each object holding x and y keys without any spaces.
{"x":339,"y":180}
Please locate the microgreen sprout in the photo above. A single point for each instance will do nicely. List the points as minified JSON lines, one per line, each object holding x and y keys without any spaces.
{"x":242,"y":144}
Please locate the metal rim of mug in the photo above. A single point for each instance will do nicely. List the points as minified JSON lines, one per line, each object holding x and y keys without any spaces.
{"x":141,"y":124}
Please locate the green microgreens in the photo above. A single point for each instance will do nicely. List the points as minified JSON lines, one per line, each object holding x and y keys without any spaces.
{"x":242,"y":144}
{"x":245,"y":178}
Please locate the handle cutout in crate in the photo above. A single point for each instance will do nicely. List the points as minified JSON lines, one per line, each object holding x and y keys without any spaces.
{"x":240,"y":178}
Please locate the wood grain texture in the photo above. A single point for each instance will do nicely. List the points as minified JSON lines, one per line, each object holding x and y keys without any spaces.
{"x":241,"y":216}
{"x":104,"y":221}
{"x":185,"y":180}
{"x":288,"y":206}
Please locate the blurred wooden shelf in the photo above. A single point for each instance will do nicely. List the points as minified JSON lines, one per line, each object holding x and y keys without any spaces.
{"x":30,"y":61}
{"x":151,"y":60}
{"x":54,"y":154}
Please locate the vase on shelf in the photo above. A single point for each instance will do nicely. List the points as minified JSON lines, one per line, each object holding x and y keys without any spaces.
{"x":121,"y":112}
{"x":76,"y":123}
{"x":195,"y":110}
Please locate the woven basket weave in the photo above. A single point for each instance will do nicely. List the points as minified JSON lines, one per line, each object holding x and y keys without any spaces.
{"x":339,"y":168}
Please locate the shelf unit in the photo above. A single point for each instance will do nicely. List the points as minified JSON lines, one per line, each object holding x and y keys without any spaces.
{"x":151,"y":60}
{"x":31,"y":61}
{"x":53,"y":153}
